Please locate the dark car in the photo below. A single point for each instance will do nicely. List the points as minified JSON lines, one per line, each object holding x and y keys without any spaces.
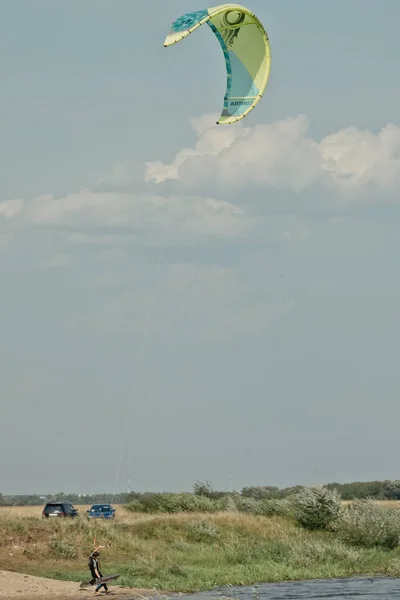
{"x":101,"y":511}
{"x":59,"y":509}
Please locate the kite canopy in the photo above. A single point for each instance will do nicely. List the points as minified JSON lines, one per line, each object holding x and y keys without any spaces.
{"x":246,"y":49}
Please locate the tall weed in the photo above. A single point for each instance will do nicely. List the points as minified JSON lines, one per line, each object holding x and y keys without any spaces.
{"x":365,"y":523}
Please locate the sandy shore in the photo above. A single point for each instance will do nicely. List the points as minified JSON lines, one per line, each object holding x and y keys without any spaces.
{"x":27,"y":587}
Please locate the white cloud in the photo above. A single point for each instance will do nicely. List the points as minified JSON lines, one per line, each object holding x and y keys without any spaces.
{"x":11,"y":208}
{"x":211,"y":143}
{"x":356,"y":158}
{"x":283,"y":156}
{"x":141,"y":213}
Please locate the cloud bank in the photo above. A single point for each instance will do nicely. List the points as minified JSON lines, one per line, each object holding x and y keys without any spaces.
{"x":249,"y":183}
{"x":214,"y":183}
{"x":145,"y":213}
{"x":283,"y":156}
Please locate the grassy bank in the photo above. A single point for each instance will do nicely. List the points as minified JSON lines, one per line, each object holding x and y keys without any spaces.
{"x":187,"y":552}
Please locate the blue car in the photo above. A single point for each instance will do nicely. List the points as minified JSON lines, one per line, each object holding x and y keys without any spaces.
{"x":101,"y":511}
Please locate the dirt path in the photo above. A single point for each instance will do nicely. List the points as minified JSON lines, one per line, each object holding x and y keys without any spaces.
{"x":26,"y":587}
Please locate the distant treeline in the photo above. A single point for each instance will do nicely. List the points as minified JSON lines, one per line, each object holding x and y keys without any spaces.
{"x":379,"y":490}
{"x":78,"y":499}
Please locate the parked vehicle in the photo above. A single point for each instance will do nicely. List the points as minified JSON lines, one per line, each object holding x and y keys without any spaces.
{"x":59,"y":509}
{"x":101,"y":511}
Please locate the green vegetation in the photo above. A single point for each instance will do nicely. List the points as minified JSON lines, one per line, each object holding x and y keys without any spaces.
{"x":195,"y":542}
{"x":380,"y":490}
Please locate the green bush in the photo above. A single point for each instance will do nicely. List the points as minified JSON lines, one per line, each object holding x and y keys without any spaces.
{"x":204,"y":488}
{"x":228,"y":504}
{"x":247,"y":505}
{"x":173,"y":503}
{"x":185,"y":502}
{"x":365,"y":523}
{"x":316,"y":507}
{"x":135,"y":506}
{"x":269,"y":508}
{"x":202,"y":531}
{"x":63,"y":549}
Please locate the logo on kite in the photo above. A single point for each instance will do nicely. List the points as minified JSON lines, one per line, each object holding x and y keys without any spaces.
{"x":247,"y":56}
{"x":232,"y":20}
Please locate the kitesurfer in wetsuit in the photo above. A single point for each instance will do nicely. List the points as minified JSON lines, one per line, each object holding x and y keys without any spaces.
{"x":94,"y":566}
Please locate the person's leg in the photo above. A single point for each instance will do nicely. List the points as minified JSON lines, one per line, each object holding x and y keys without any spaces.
{"x":104,"y":585}
{"x":100,"y":585}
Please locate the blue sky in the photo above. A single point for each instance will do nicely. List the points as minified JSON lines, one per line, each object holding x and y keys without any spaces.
{"x":230,"y":296}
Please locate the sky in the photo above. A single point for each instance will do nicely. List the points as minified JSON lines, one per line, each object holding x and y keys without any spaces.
{"x":182,"y":301}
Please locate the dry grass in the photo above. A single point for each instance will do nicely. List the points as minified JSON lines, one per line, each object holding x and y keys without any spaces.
{"x":384,"y":503}
{"x":24,"y":512}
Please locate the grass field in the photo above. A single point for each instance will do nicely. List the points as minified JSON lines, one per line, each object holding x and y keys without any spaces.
{"x":122,"y":515}
{"x":182,"y":552}
{"x":36,"y":512}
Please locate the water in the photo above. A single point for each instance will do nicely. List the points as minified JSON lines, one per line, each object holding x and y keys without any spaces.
{"x":363,"y":588}
{"x":360,"y":588}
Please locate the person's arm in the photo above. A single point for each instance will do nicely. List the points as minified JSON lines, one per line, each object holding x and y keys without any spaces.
{"x":96,"y":570}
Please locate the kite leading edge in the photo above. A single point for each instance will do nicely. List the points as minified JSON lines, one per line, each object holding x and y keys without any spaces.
{"x":246,"y":49}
